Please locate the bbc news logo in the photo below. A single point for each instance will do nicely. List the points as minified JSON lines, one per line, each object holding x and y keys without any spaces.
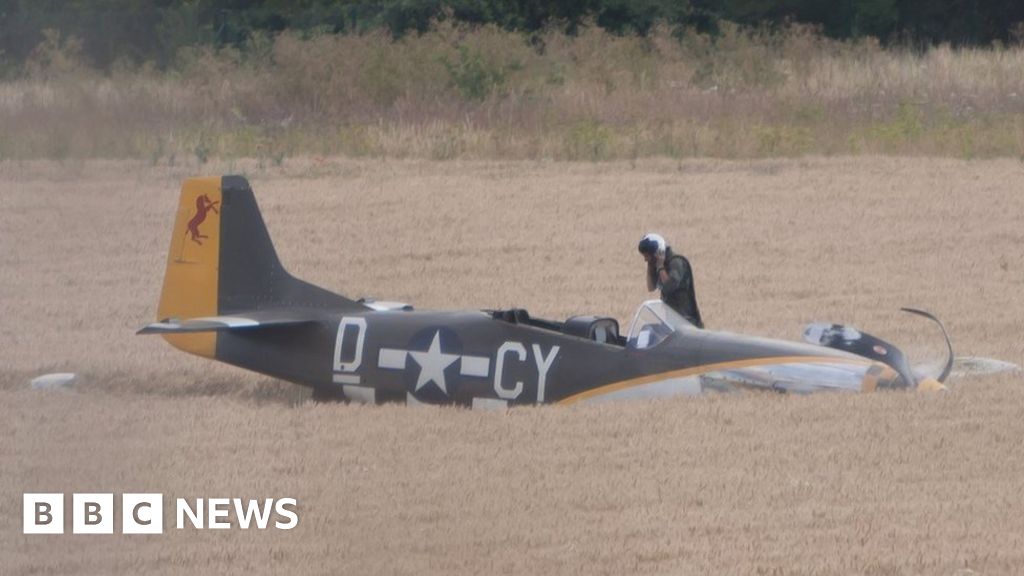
{"x":144,"y":513}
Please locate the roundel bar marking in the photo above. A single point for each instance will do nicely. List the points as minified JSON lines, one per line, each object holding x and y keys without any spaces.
{"x":704,"y":368}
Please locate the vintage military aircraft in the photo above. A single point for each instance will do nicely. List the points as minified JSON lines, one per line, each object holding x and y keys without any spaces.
{"x":227,"y":297}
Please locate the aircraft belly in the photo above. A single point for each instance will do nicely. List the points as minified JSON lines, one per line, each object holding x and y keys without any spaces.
{"x":688,"y":385}
{"x":781,"y":374}
{"x":360,"y":394}
{"x":797,"y":377}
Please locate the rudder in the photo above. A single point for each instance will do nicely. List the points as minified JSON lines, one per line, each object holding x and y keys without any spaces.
{"x":222,"y":261}
{"x":191,"y":277}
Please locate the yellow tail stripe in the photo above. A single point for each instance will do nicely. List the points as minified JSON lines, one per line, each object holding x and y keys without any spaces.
{"x":193,"y":261}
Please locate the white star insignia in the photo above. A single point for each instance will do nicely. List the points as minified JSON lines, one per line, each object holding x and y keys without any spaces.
{"x":432,"y":364}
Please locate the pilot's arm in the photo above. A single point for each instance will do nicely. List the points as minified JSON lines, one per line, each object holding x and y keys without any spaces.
{"x":652,"y":276}
{"x":674,"y":275}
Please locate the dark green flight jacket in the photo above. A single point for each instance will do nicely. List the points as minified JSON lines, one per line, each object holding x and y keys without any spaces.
{"x":678,"y":291}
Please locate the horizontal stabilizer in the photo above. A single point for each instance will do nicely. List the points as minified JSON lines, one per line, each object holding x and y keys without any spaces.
{"x":240,"y":321}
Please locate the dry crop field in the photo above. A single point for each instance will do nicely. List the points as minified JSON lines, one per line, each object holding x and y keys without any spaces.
{"x":890,"y":483}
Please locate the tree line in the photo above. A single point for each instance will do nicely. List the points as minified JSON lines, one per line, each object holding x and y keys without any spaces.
{"x":133,"y":32}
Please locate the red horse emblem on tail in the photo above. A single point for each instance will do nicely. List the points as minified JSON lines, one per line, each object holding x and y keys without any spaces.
{"x":203,"y":206}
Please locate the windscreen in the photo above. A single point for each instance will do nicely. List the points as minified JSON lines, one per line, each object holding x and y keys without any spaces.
{"x":653,"y":323}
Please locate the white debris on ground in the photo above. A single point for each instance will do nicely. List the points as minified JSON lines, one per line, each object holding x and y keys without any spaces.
{"x":57,"y":381}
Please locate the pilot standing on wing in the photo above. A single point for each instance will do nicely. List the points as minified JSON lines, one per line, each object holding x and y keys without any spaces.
{"x":672,"y":273}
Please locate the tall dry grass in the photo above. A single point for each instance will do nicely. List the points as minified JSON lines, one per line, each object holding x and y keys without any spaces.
{"x":458,"y":92}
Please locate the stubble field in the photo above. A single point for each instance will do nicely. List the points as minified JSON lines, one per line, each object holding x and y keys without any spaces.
{"x":739,"y":484}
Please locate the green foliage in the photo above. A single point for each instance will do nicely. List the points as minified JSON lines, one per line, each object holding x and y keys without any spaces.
{"x":382,"y":75}
{"x":783,"y":140}
{"x":140,"y":31}
{"x":876,"y":18}
{"x":461,"y":91}
{"x":472,"y":75}
{"x":56,"y":55}
{"x":906,"y":126}
{"x":359,"y":141}
{"x":736,"y":58}
{"x":589,"y":140}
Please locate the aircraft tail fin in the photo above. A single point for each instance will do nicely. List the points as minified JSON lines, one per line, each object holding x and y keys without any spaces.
{"x":221,"y":260}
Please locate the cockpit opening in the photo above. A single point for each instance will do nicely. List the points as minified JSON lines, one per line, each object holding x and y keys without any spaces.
{"x":599,"y":329}
{"x":653,"y":322}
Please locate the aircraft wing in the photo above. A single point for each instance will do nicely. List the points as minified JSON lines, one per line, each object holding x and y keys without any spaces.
{"x":240,"y":321}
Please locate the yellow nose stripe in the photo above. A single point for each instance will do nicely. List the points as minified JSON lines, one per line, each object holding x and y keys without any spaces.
{"x":931,"y":385}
